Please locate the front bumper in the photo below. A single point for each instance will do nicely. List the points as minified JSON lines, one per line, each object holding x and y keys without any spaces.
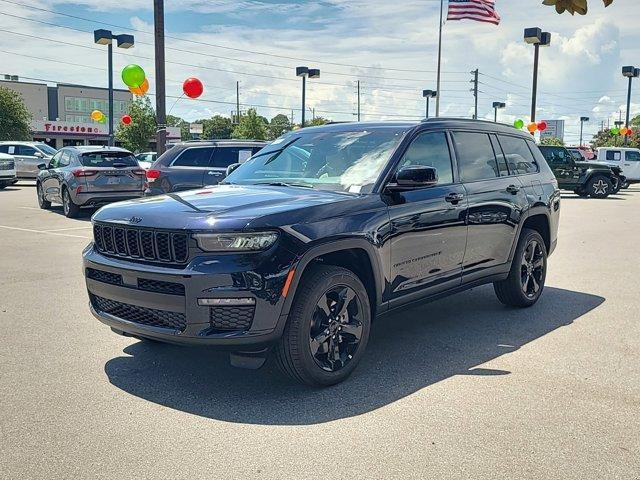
{"x":8,"y":177}
{"x":129,"y":306}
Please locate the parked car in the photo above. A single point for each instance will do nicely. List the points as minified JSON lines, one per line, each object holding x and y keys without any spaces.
{"x":584,"y":178}
{"x":146,"y":159}
{"x":7,"y":170}
{"x":28,"y":155}
{"x":300,"y":257}
{"x":89,"y":176}
{"x":193,"y":164}
{"x":627,"y":159}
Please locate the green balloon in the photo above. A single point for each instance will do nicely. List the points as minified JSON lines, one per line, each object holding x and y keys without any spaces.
{"x":103,"y":119}
{"x":615,"y":131}
{"x":518,"y":124}
{"x":133,"y":76}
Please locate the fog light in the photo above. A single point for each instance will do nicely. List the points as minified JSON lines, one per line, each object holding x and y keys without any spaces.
{"x":225,"y":302}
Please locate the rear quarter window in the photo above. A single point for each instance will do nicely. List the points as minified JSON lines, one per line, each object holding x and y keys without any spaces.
{"x":519,"y":157}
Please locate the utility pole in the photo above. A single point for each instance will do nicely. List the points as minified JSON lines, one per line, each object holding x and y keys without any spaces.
{"x":475,"y":92}
{"x":161,"y":101}
{"x":292,"y":119}
{"x":358,"y":100}
{"x":238,"y":102}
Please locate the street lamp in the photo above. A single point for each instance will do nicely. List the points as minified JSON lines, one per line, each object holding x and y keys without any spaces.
{"x":305,"y":72}
{"x":582,"y":120}
{"x":106,"y":37}
{"x":429,"y":94}
{"x":536,"y":37}
{"x":496,"y":106}
{"x":630,"y":72}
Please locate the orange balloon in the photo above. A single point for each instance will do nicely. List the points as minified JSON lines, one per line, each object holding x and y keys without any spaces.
{"x":624,"y":131}
{"x":532,"y":127}
{"x":142,"y":89}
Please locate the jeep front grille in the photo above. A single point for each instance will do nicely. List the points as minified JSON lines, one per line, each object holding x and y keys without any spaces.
{"x":142,"y":244}
{"x":141,"y":315}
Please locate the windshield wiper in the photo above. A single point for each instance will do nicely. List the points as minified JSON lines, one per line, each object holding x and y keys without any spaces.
{"x":285,"y":184}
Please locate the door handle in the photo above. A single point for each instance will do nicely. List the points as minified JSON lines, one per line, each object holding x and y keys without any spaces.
{"x":513,"y":189}
{"x":210,"y":172}
{"x":453,"y":197}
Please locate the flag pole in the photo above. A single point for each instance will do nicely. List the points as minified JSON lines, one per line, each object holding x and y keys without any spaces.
{"x":439,"y":61}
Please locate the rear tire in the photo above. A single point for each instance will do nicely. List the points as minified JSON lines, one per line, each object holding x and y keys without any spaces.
{"x":44,"y":204}
{"x":599,"y":186}
{"x":617,"y":185}
{"x":328,"y":327}
{"x":71,"y":210}
{"x":525,"y":283}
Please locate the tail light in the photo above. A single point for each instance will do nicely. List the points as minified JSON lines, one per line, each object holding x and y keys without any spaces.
{"x":84,"y":173}
{"x":139,"y":172}
{"x":152,"y":175}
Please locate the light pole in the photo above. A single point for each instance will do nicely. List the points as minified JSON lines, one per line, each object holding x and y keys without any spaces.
{"x":427,"y":94}
{"x":305,"y":72}
{"x":496,"y":106}
{"x":537,"y":38}
{"x":630,"y":72}
{"x":106,"y":37}
{"x":582,"y":120}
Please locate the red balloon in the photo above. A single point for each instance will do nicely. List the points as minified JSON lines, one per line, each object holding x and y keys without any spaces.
{"x":192,"y":87}
{"x":629,"y":131}
{"x":126,"y":119}
{"x":542,"y":126}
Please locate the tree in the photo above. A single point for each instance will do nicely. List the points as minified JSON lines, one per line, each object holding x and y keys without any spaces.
{"x":318,"y":121}
{"x":251,"y":127}
{"x":278,"y":125}
{"x":604,"y":138}
{"x":142,"y":129}
{"x":14,"y":116}
{"x":553,"y":141}
{"x":572,"y":6}
{"x":173,"y":121}
{"x":216,"y":127}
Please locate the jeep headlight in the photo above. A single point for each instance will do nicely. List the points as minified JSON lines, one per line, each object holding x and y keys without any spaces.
{"x":235,"y":242}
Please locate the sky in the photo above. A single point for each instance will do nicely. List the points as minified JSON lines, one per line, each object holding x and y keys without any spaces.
{"x":390,"y":47}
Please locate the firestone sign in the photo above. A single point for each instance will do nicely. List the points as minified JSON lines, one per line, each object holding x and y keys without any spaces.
{"x":51,"y":126}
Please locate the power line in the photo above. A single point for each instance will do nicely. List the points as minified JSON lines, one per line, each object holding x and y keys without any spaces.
{"x":252,"y":52}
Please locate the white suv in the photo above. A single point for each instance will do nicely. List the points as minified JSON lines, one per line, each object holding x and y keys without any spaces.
{"x":7,"y":170}
{"x":28,"y":156}
{"x":628,"y":159}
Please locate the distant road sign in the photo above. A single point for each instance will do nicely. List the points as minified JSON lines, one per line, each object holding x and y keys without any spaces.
{"x":555,"y":129}
{"x":195,"y":128}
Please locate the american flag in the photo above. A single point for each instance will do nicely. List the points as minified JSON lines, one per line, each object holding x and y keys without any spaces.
{"x":478,"y":10}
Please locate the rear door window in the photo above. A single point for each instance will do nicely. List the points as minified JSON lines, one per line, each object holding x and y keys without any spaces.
{"x":193,"y":157}
{"x":519,"y":157}
{"x":614,"y":155}
{"x":26,"y":151}
{"x":108,"y":159}
{"x":476,"y":159}
{"x":225,"y":156}
{"x":502,"y":161}
{"x":555,"y":155}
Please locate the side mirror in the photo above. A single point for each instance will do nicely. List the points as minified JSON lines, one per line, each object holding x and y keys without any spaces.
{"x":232,"y":167}
{"x":38,"y":155}
{"x":414,"y":176}
{"x":42,"y":166}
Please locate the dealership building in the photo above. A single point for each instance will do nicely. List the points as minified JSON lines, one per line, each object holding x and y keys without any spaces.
{"x":60,"y":114}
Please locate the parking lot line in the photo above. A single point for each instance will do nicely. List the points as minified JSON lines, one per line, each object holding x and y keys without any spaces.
{"x":44,"y":231}
{"x":31,"y":208}
{"x":84,"y":227}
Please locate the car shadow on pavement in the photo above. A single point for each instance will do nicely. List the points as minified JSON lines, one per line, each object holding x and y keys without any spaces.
{"x":407,"y":352}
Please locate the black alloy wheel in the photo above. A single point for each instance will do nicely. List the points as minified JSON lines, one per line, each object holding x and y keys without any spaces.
{"x":328,"y":327}
{"x":532,"y":269}
{"x":525,"y":283}
{"x":336,"y":329}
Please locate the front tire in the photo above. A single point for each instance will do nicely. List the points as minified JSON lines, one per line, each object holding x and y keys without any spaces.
{"x":328,"y":327}
{"x":44,"y":204}
{"x":525,"y":283}
{"x":599,"y":186}
{"x":71,"y":210}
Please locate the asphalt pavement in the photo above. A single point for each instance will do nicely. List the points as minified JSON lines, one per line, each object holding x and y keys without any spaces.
{"x":459,"y":388}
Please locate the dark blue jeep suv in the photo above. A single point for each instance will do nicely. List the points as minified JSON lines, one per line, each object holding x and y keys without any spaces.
{"x":303,"y":245}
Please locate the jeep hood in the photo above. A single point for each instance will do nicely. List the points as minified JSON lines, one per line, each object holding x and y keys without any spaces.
{"x":228,"y":207}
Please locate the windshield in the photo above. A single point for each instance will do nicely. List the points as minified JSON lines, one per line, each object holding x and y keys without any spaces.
{"x":347,"y":161}
{"x":108,"y":159}
{"x":43,"y":147}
